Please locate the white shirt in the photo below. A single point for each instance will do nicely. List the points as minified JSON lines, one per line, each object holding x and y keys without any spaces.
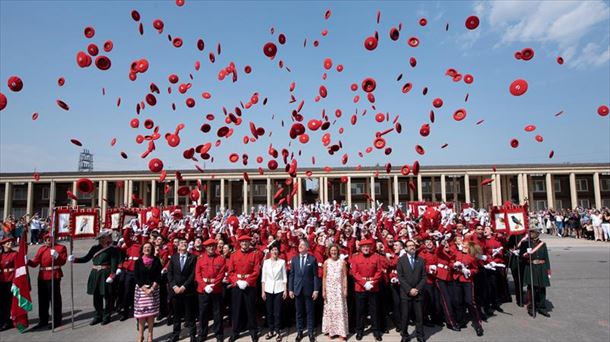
{"x":274,"y":275}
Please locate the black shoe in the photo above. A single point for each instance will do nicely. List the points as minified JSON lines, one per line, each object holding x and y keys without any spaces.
{"x":428,"y":324}
{"x":299,"y":336}
{"x":7,"y":326}
{"x":479,"y":331}
{"x":270,"y":335}
{"x":41,"y":326}
{"x":219,"y":339}
{"x":106,"y":321}
{"x":358,"y":336}
{"x":378,"y":337}
{"x":170,"y":321}
{"x":489,"y":312}
{"x":193,"y":339}
{"x":312,"y":338}
{"x":420,"y":339}
{"x":405,"y":339}
{"x":95,"y":321}
{"x":397,"y":330}
{"x":499,"y":309}
{"x":232,"y":338}
{"x":544,"y":313}
{"x":124,"y":317}
{"x":454,"y":328}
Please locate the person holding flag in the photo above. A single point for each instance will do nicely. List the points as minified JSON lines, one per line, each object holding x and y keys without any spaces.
{"x":105,"y":258}
{"x":537,"y":272}
{"x":50,"y":257}
{"x":22,"y":299}
{"x":7,"y":273}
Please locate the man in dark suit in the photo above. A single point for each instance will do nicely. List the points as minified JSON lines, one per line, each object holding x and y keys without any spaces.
{"x":304,"y":286}
{"x":181,"y":279}
{"x":412,"y":278}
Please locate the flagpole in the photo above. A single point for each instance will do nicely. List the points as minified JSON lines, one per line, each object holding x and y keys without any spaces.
{"x":52,"y":233}
{"x":529,"y":244}
{"x":72,"y":281}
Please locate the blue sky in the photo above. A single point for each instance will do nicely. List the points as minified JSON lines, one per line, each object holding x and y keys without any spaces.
{"x":39,"y":41}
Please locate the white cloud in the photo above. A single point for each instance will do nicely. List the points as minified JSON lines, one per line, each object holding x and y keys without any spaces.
{"x":563,"y":24}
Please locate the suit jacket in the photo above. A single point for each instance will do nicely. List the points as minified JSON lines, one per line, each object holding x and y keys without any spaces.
{"x":186,"y":277}
{"x":411,"y":277}
{"x":304,"y":280}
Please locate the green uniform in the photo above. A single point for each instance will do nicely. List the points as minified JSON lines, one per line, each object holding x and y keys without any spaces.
{"x":539,"y":274}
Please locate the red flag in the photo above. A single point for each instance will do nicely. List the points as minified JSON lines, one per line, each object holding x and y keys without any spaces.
{"x":22,"y":300}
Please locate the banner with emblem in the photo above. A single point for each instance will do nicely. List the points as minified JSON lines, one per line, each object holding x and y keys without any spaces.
{"x":510,"y":219}
{"x":418,"y":208}
{"x":62,"y":222}
{"x":84,"y":223}
{"x":116,"y":218}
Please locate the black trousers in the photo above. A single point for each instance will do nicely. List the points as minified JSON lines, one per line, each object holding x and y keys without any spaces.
{"x":305,"y":315}
{"x":274,"y":305}
{"x":44,"y":301}
{"x":432,"y":305}
{"x":517,"y":272}
{"x":103,"y":311}
{"x":412,"y":306}
{"x":464,"y":293}
{"x":164,"y":302}
{"x":6,"y":298}
{"x":244,"y":299}
{"x":367,"y":302}
{"x":539,"y":298}
{"x":447,"y":300}
{"x":481,"y":288}
{"x":183,"y":305}
{"x":210,"y":302}
{"x":493,"y":288}
{"x":396,"y":306}
{"x":129,"y":286}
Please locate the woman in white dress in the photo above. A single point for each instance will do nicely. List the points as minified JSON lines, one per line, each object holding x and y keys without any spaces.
{"x":334,"y":292}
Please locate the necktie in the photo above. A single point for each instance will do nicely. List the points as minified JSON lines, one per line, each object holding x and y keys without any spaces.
{"x":302,"y":262}
{"x":182,"y":262}
{"x":411,"y":261}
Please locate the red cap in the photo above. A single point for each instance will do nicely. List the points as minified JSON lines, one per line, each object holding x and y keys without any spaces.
{"x":370,"y":43}
{"x":244,"y":238}
{"x":366,"y":242}
{"x":270,"y":50}
{"x":459,"y":114}
{"x":194,"y":195}
{"x":183,"y":191}
{"x":472,"y":22}
{"x":85,"y":185}
{"x":210,"y":242}
{"x":603,"y":110}
{"x":518,"y":87}
{"x":514,"y":143}
{"x":155,"y":165}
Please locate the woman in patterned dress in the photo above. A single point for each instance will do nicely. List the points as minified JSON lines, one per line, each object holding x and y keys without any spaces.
{"x":334,"y":292}
{"x":147,"y":273}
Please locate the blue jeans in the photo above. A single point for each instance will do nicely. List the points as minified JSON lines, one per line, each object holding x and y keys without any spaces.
{"x":34,"y":237}
{"x":559,"y":228}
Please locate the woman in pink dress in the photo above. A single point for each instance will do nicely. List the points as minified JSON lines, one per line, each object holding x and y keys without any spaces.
{"x":334,"y":292}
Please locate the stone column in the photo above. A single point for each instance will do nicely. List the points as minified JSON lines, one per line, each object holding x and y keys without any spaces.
{"x":420,"y":194}
{"x":52,"y":190}
{"x":432,"y":188}
{"x":30,"y":199}
{"x":520,"y":191}
{"x":153,"y":193}
{"x":129,"y":193}
{"x":104,"y":206}
{"x":466,"y":188}
{"x":8,"y":189}
{"x":245,"y":197}
{"x":573,"y":194}
{"x":550,"y":198}
{"x":443,"y":189}
{"x":73,"y":202}
{"x":597,"y":191}
{"x":100,"y":194}
{"x":200,"y":199}
{"x":251,"y":194}
{"x":390,"y":192}
{"x":300,"y":191}
{"x":494,"y":190}
{"x":269,"y":192}
{"x":176,"y":185}
{"x":373,"y":189}
{"x":208,"y":193}
{"x":396,"y":198}
{"x":230,"y":194}
{"x":325,"y":189}
{"x":222,"y":194}
{"x":348,"y":191}
{"x":320,"y":189}
{"x":498,"y":183}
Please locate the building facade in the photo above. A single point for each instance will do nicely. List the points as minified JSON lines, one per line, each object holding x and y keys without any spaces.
{"x":543,"y":186}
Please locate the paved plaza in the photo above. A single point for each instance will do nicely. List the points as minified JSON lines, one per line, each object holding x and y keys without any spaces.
{"x":579,"y":306}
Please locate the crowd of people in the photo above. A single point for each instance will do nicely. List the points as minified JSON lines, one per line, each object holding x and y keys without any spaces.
{"x":322,"y":264}
{"x":580,"y":223}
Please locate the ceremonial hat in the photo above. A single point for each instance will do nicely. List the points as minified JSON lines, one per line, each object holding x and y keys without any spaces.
{"x":85,"y":185}
{"x":210,"y":242}
{"x":104,"y":233}
{"x":366,"y":242}
{"x":6,"y":239}
{"x":244,"y":238}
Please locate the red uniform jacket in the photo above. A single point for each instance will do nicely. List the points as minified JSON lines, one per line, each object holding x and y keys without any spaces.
{"x":469,"y":262}
{"x":444,"y":264}
{"x":366,"y":268}
{"x":244,"y":266}
{"x":491,"y":244}
{"x":391,"y":270}
{"x":430,"y":259}
{"x":210,"y":270}
{"x":49,"y":269}
{"x":7,"y":266}
{"x":132,"y":251}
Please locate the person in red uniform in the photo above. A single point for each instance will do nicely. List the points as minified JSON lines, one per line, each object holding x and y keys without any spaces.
{"x":244,"y":268}
{"x":209,"y":272}
{"x":367,"y":269}
{"x":50,"y":259}
{"x":132,"y":242}
{"x":481,"y":283}
{"x":7,"y":273}
{"x":494,"y":268}
{"x":445,"y":284}
{"x":432,"y":307}
{"x":466,"y":266}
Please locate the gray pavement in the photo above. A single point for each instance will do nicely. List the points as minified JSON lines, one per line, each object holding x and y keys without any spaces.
{"x":579,"y":297}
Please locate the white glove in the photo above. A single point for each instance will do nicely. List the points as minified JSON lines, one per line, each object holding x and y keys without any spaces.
{"x":516,"y":252}
{"x":242,"y":284}
{"x":164,"y":270}
{"x":120,"y":242}
{"x":109,"y":280}
{"x":496,"y":251}
{"x":118,"y":271}
{"x":388,"y":255}
{"x":466,"y":272}
{"x":368,"y":286}
{"x":489,"y":267}
{"x":432,"y":269}
{"x":402,"y":252}
{"x":71,"y":258}
{"x":208,"y":289}
{"x":529,"y":251}
{"x":458,"y":264}
{"x":394,"y":280}
{"x":483,"y":257}
{"x":54,"y":254}
{"x":342,"y":256}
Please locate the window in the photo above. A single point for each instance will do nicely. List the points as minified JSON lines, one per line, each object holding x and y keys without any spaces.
{"x":539,"y":185}
{"x":582,"y":184}
{"x":584,"y":203}
{"x":606,"y":202}
{"x":217,"y":190}
{"x":45,"y":193}
{"x":403,"y":188}
{"x":453,"y":185}
{"x":557,"y":185}
{"x":259,"y":190}
{"x":44,"y":212}
{"x":426,"y":186}
{"x":377,"y":188}
{"x":358,"y":188}
{"x":18,"y":212}
{"x":605,"y":184}
{"x":541,"y":205}
{"x":558,"y":204}
{"x":2,"y":191}
{"x":20,"y":193}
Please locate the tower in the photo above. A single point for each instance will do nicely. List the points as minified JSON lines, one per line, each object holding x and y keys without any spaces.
{"x":85,"y":161}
